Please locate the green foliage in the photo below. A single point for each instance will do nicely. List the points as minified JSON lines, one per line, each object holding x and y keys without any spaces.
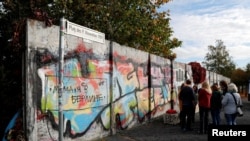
{"x":248,"y":71}
{"x":248,"y":68}
{"x":218,"y":60}
{"x":241,"y":77}
{"x":135,"y":23}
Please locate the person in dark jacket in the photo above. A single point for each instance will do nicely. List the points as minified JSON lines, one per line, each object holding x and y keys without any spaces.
{"x":195,"y":88}
{"x":215,"y":104}
{"x":187,"y":100}
{"x":223,"y":87}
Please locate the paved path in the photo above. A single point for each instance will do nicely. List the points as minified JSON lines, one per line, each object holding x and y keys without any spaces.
{"x":158,"y":131}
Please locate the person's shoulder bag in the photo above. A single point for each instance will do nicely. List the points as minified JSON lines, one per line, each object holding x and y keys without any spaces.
{"x":239,"y":111}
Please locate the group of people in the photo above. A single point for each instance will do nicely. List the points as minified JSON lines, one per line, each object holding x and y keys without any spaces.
{"x":210,"y":99}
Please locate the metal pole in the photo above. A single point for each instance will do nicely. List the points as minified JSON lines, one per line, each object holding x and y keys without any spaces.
{"x":60,"y":91}
{"x":149,"y":86}
{"x":111,"y":84}
{"x":172,"y":83}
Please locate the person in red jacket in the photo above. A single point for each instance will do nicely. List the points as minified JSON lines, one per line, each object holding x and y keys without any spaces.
{"x":204,"y":96}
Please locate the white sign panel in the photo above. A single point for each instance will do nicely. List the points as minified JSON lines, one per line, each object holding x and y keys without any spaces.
{"x":84,"y":32}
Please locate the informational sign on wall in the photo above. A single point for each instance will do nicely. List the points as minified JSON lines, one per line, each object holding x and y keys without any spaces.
{"x":84,"y":32}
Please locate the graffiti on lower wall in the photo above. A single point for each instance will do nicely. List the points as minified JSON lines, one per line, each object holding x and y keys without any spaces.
{"x":99,"y":94}
{"x":86,"y":99}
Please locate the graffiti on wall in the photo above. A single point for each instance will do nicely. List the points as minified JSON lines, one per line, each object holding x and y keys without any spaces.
{"x":103,"y":88}
{"x":136,"y":97}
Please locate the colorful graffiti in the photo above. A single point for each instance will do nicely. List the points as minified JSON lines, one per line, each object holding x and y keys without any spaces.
{"x":101,"y":94}
{"x":86,"y":92}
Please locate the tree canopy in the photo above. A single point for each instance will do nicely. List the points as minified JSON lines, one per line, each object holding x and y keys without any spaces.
{"x":135,"y":23}
{"x":218,"y":59}
{"x":239,"y":77}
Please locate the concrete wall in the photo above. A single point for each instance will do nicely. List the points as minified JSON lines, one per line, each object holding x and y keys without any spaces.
{"x":107,"y":87}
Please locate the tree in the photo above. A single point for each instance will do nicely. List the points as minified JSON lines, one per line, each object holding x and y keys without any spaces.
{"x":248,"y":69}
{"x":248,"y":72}
{"x":218,"y":60}
{"x":239,"y":77}
{"x":135,"y":23}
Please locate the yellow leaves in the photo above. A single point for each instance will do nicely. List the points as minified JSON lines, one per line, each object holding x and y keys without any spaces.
{"x":155,"y":38}
{"x":155,"y":21}
{"x":138,"y":31}
{"x":172,"y":56}
{"x":153,"y":10}
{"x":160,"y":2}
{"x":150,"y":45}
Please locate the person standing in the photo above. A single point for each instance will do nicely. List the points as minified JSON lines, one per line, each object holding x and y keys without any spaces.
{"x":180,"y":102}
{"x":204,"y":96}
{"x":229,"y":105}
{"x":215,"y":104}
{"x":187,"y":100}
{"x":223,"y":87}
{"x":195,"y":88}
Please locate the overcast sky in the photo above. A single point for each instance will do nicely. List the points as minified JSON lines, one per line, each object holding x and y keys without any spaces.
{"x":199,"y":23}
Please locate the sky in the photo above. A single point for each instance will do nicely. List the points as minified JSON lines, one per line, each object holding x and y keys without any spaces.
{"x":199,"y":23}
